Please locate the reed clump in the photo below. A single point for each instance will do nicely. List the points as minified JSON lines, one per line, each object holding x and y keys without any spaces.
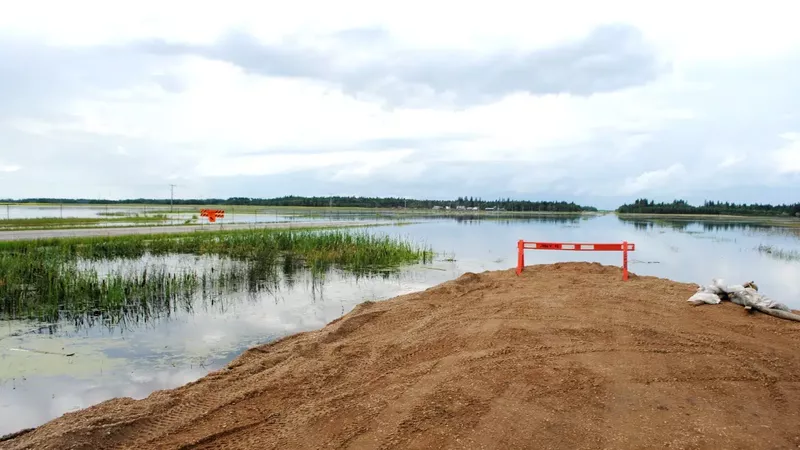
{"x":49,"y":279}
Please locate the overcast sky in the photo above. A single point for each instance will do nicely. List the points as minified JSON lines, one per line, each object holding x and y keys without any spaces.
{"x":597,"y":102}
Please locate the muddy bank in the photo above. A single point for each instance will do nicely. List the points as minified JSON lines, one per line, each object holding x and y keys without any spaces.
{"x":565,"y":356}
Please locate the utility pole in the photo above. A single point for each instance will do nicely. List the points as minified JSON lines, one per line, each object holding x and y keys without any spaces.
{"x":171,"y":195}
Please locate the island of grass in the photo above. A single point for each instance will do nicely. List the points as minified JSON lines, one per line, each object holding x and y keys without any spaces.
{"x":108,"y":219}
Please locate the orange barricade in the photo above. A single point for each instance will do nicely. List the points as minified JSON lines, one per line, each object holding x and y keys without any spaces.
{"x":624,"y":247}
{"x":212,"y":214}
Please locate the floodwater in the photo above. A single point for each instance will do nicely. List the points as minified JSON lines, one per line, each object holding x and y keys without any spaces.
{"x":134,"y":358}
{"x":180,"y":215}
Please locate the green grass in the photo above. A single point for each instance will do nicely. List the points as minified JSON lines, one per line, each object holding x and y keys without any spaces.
{"x":46,"y":279}
{"x":48,"y":289}
{"x":317,"y":246}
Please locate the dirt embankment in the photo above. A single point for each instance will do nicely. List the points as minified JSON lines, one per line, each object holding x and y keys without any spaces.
{"x":567,"y":356}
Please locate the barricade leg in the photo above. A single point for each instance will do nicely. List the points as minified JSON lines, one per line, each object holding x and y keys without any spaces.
{"x":625,"y":261}
{"x":520,"y":256}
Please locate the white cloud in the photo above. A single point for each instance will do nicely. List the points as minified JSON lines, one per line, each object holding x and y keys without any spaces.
{"x":787,"y":158}
{"x":621,"y":99}
{"x":9,"y":168}
{"x":357,"y":163}
{"x":688,"y":28}
{"x":732,"y":160}
{"x":654,"y":179}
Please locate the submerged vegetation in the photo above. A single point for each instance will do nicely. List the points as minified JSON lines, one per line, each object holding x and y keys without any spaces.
{"x":53,"y":279}
{"x":778,"y":253}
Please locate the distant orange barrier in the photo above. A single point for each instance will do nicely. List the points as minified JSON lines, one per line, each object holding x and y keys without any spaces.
{"x":212,"y":214}
{"x":624,"y":247}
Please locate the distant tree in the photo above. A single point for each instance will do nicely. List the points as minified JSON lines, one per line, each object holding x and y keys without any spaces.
{"x":645,"y":206}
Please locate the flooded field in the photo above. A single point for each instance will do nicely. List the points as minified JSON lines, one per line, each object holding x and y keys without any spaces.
{"x":58,"y":216}
{"x":235,"y":305}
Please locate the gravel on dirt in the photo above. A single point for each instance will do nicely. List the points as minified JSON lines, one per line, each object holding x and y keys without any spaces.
{"x":565,"y":356}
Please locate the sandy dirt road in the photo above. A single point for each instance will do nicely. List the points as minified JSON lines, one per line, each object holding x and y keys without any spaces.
{"x":566,"y":356}
{"x":121,"y":231}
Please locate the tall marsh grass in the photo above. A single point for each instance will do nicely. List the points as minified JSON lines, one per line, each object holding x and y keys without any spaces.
{"x":350,"y":249}
{"x":49,"y":280}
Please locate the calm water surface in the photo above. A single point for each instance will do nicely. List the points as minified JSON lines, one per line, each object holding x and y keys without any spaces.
{"x":139,"y":356}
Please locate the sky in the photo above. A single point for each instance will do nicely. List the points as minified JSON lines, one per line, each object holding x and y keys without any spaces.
{"x":594,"y":102}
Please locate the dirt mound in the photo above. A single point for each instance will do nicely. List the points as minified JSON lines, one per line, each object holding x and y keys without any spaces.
{"x":467,"y":279}
{"x":564,"y":356}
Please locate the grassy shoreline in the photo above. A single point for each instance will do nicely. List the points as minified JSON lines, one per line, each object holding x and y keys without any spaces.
{"x":765,"y":220}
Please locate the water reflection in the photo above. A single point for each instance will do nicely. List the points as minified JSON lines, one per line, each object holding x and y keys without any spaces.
{"x":28,"y":403}
{"x":557,"y":220}
{"x":711,"y":225}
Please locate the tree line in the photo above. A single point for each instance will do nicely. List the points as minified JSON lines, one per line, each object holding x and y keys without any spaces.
{"x":645,"y":206}
{"x":352,"y":202}
{"x":641,"y":205}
